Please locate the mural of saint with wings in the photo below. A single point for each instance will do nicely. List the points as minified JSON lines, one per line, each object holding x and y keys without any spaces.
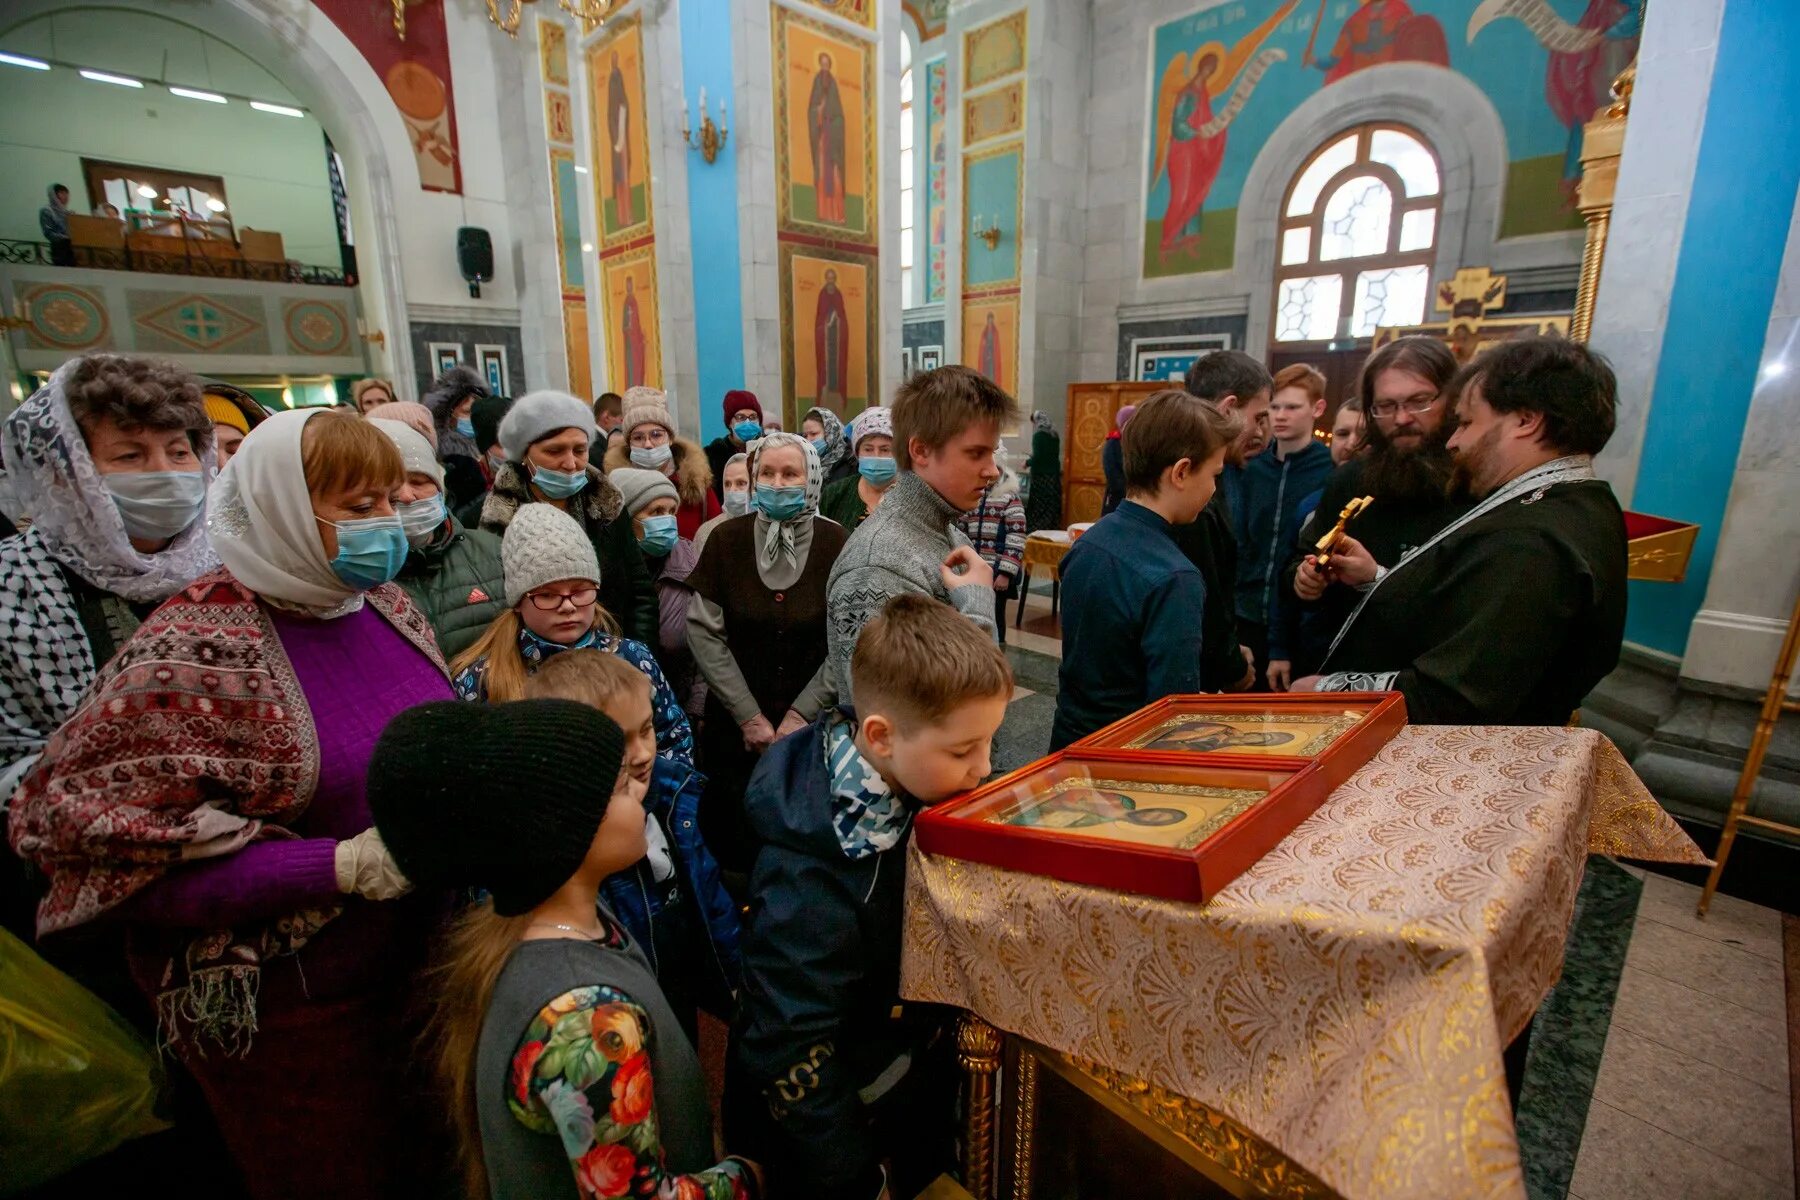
{"x":1190,"y":136}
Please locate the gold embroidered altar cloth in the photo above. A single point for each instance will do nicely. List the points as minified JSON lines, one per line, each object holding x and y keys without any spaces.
{"x":1348,"y":998}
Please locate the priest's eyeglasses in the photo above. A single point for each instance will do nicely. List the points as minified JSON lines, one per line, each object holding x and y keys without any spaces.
{"x":1412,"y":404}
{"x":551,"y":601}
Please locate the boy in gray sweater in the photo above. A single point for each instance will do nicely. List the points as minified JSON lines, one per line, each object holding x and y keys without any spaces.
{"x":947,"y":425}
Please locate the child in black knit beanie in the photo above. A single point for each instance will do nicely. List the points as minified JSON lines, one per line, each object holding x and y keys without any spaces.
{"x":566,"y":1072}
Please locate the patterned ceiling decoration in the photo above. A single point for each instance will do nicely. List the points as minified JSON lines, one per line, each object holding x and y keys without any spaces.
{"x":316,"y":327}
{"x":203,"y":323}
{"x":929,"y":15}
{"x":65,"y":318}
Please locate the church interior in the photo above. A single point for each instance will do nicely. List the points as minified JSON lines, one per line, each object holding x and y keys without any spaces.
{"x":820,"y":202}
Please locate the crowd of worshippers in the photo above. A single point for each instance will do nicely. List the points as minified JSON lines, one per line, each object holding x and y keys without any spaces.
{"x":429,"y":778}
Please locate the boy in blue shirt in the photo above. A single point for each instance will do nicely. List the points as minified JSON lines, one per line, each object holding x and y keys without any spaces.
{"x":1132,"y":601}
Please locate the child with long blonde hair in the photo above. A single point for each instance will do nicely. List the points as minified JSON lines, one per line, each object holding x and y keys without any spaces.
{"x":553,"y":605}
{"x":565,"y":1071}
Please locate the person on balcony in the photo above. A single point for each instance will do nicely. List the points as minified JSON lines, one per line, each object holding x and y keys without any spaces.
{"x":53,"y":222}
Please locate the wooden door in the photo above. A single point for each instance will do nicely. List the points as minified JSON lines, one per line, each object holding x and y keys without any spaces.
{"x":1092,"y":409}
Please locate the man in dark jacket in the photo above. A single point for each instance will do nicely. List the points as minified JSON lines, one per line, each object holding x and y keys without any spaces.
{"x":1513,"y":612}
{"x":829,"y":1073}
{"x":1235,"y":382}
{"x":1275,"y":483}
{"x":743,"y":425}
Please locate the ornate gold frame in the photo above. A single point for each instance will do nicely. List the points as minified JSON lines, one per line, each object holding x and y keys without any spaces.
{"x":1017,"y":150}
{"x":871,"y":315}
{"x":784,"y":20}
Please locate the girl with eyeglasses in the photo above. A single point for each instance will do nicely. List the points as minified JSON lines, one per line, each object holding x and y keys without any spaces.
{"x":553,"y":605}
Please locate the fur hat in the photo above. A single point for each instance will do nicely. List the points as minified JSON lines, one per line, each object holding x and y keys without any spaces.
{"x":646,"y":406}
{"x":440,"y":769}
{"x":536,"y":415}
{"x":737,"y":400}
{"x":640,"y":487}
{"x":542,"y":545}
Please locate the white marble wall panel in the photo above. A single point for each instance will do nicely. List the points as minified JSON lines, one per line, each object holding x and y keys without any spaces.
{"x":525,"y":155}
{"x":1662,"y":145}
{"x":1755,"y":577}
{"x":753,"y":128}
{"x":663,"y":86}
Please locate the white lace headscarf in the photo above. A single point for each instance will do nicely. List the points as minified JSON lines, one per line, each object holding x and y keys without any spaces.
{"x":55,"y":480}
{"x":782,"y":545}
{"x":262,"y":524}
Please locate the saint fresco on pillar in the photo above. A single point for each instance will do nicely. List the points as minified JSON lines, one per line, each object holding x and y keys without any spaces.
{"x":824,"y":129}
{"x":621,"y":162}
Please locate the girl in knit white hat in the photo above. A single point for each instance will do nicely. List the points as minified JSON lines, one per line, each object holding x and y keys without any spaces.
{"x":552,"y":605}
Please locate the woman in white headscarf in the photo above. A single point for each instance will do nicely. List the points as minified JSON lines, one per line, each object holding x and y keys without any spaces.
{"x":111,"y":460}
{"x":756,"y":626}
{"x":208,"y":798}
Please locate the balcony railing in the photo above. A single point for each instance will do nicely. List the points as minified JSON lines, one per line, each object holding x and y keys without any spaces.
{"x":194,"y":262}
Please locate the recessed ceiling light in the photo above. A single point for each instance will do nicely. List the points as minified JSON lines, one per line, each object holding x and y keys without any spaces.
{"x":146,"y":191}
{"x":103,"y":77}
{"x":580,"y":170}
{"x":587,"y":247}
{"x":191,"y":94}
{"x":19,"y":60}
{"x":280,"y":110}
{"x":216,"y":204}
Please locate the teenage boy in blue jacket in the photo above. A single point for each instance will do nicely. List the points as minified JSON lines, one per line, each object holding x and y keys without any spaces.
{"x":841,"y":1089}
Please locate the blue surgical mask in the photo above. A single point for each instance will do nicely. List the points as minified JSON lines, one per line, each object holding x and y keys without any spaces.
{"x":878,"y":471}
{"x":651,"y":458}
{"x":819,"y":444}
{"x":157,"y":504}
{"x":558,"y":485}
{"x":780,"y":503}
{"x":371,"y":551}
{"x":746,"y":431}
{"x":465,"y":426}
{"x":737,"y":503}
{"x":422,"y":518}
{"x":659,"y":535}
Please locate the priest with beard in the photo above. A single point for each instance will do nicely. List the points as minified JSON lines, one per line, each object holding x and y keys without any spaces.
{"x":1513,"y":611}
{"x":1405,"y":466}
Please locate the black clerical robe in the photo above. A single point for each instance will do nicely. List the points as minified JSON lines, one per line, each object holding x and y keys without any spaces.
{"x":1509,"y":617}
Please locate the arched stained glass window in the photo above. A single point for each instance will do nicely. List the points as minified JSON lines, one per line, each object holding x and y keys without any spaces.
{"x":1358,"y":235}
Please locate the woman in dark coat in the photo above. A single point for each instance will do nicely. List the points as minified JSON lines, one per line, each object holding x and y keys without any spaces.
{"x":1043,"y":504}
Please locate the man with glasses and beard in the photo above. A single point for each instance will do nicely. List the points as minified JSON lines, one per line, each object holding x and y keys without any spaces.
{"x":1405,"y":467}
{"x":1516,"y":609}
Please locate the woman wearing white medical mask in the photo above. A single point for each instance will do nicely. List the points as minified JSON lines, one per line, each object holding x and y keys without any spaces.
{"x":651,"y":444}
{"x":651,"y":500}
{"x":850,"y":500}
{"x":453,"y":573}
{"x":756,"y":627}
{"x":209,"y":799}
{"x":111,"y":459}
{"x":548,"y":437}
{"x":736,"y":494}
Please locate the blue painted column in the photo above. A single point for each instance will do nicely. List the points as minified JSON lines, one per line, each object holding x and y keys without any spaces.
{"x":1731,"y":249}
{"x":713,"y":212}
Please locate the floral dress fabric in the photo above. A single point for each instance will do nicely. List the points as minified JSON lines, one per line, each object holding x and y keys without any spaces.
{"x":674,"y":736}
{"x":582,"y":1072}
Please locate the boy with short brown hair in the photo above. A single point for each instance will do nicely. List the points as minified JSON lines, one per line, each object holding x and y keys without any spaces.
{"x":947,"y":426}
{"x":1132,"y":601}
{"x":826,"y":1080}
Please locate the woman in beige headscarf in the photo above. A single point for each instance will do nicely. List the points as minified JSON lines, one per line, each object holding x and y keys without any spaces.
{"x":208,"y":797}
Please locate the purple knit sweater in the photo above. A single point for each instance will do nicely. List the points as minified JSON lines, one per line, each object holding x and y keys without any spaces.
{"x":356,"y":673}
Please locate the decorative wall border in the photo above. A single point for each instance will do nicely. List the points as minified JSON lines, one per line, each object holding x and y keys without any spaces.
{"x":1016,"y":150}
{"x":1013,"y":23}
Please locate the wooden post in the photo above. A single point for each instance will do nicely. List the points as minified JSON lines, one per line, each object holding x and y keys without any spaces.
{"x":978,"y":1046}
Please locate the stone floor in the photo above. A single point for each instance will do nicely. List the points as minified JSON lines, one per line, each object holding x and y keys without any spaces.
{"x":1659,"y":1067}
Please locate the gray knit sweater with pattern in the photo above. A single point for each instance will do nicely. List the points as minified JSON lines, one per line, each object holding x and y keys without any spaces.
{"x":897,"y":549}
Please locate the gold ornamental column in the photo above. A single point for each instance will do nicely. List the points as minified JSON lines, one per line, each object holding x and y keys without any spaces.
{"x":1602,"y":142}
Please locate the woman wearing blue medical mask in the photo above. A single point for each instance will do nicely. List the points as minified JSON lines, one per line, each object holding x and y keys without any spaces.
{"x":849,"y":501}
{"x":825,"y":431}
{"x":651,"y":444}
{"x":547,"y":437}
{"x":651,"y":500}
{"x":110,"y":460}
{"x":451,"y":572}
{"x":756,"y":628}
{"x":266,"y":924}
{"x":451,"y":399}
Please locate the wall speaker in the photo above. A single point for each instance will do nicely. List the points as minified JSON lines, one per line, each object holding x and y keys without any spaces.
{"x":475,"y":256}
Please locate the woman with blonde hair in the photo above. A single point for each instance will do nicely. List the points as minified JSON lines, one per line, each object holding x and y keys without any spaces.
{"x":553,"y":605}
{"x":208,"y":796}
{"x":367,"y":394}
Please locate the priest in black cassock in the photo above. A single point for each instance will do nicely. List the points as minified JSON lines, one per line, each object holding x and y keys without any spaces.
{"x":1516,"y":609}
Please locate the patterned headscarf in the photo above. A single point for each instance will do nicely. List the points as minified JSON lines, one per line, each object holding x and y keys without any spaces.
{"x":877,"y":420}
{"x":1041,"y":420}
{"x":776,"y":539}
{"x":48,"y":464}
{"x":835,"y":445}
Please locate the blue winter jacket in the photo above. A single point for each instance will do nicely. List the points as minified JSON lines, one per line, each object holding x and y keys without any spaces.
{"x":636,"y":899}
{"x":1267,"y":521}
